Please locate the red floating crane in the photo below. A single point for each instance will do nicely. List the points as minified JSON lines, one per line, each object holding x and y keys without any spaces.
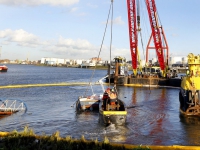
{"x":160,"y":42}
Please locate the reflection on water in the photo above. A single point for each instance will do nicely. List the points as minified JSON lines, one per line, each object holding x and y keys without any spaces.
{"x":191,"y":128}
{"x":153,"y":113}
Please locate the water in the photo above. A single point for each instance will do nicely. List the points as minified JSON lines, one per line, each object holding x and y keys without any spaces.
{"x":154,"y":121}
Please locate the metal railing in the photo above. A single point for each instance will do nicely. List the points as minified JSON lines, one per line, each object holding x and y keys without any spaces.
{"x":10,"y":105}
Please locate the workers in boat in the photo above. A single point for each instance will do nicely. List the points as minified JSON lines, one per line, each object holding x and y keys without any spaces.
{"x":113,"y":94}
{"x":105,"y":97}
{"x":113,"y":101}
{"x":106,"y":94}
{"x":109,"y":97}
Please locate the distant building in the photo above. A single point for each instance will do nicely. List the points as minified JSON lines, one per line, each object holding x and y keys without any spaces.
{"x":184,"y":60}
{"x":79,"y":62}
{"x":95,"y":59}
{"x":177,"y":60}
{"x":59,"y":61}
{"x":54,"y":61}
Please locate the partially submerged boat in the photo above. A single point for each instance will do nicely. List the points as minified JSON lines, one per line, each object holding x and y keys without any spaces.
{"x":189,"y":95}
{"x":3,"y":68}
{"x":11,"y":106}
{"x":91,"y":102}
{"x":88,"y":103}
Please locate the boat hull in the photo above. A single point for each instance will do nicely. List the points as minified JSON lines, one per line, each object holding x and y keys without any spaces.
{"x":7,"y":113}
{"x":114,"y":117}
{"x":189,"y":105}
{"x":3,"y":69}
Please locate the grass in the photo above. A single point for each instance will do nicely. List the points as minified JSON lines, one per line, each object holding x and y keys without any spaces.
{"x":28,"y":140}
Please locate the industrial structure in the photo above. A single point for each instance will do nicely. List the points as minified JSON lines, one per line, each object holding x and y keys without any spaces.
{"x":160,"y":42}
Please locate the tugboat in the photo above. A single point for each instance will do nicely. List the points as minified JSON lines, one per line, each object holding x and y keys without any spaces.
{"x":189,"y":95}
{"x":112,"y":110}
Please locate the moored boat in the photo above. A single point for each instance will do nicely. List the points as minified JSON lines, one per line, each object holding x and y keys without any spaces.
{"x":189,"y":95}
{"x":3,"y":68}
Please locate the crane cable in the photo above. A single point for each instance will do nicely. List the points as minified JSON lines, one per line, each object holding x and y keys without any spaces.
{"x":111,"y":5}
{"x":111,"y":39}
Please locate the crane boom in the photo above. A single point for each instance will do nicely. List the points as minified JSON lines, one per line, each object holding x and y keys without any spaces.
{"x":156,"y":34}
{"x":131,"y":5}
{"x":152,"y":12}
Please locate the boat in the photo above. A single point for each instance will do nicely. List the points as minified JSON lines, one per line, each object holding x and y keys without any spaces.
{"x":122,"y":70}
{"x":91,"y":102}
{"x":88,"y":103}
{"x":112,"y":110}
{"x":3,"y":68}
{"x":11,"y":106}
{"x":189,"y":95}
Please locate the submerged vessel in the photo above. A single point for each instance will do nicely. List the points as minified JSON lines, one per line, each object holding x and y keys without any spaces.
{"x":189,"y":95}
{"x":11,"y":106}
{"x":88,"y":103}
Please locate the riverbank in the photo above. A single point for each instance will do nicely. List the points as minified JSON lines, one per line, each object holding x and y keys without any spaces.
{"x":27,"y":139}
{"x":74,"y":66}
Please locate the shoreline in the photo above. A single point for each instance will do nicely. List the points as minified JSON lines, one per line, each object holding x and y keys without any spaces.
{"x":27,"y":139}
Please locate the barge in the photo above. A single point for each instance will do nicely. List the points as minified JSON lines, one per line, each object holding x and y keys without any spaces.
{"x":146,"y":76}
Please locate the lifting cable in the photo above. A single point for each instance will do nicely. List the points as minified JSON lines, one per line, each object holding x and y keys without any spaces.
{"x":111,"y":5}
{"x":111,"y":42}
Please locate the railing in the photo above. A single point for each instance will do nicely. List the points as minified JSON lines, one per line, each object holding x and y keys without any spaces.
{"x":10,"y":105}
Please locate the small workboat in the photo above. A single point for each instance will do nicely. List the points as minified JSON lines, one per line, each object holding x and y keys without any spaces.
{"x":189,"y":95}
{"x":3,"y":68}
{"x":112,"y":110}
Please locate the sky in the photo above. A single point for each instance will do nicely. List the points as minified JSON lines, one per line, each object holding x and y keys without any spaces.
{"x":74,"y":29}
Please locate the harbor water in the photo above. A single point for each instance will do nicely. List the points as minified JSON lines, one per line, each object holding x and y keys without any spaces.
{"x":153,"y":113}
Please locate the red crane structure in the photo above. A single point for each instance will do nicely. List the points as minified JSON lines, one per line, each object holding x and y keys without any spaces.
{"x":131,"y":5}
{"x":160,"y":42}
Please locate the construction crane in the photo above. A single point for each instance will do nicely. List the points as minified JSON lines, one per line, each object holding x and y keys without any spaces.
{"x":160,"y":43}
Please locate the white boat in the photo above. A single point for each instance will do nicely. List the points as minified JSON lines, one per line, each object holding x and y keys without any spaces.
{"x":91,"y":102}
{"x":88,"y":103}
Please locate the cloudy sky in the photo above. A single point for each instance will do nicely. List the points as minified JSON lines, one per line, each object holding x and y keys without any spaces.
{"x":74,"y":28}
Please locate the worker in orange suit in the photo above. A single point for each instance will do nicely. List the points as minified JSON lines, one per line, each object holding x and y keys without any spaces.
{"x":105,"y":98}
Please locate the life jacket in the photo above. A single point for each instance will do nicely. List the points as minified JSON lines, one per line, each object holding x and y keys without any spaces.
{"x":105,"y":96}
